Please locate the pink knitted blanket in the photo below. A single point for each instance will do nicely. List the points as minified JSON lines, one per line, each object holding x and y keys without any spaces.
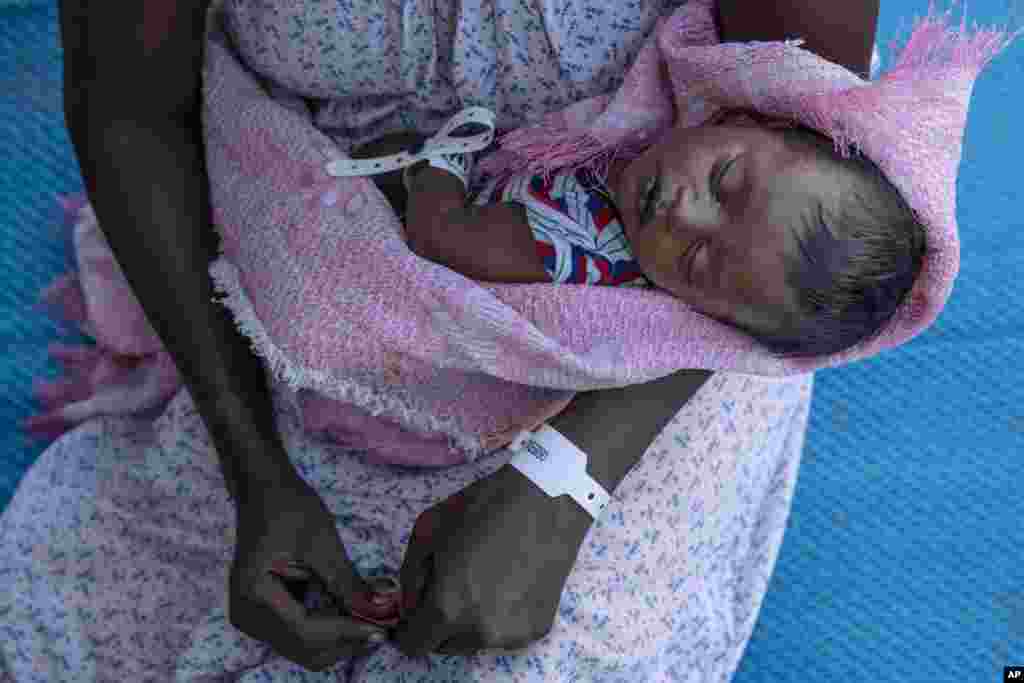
{"x":419,"y":365}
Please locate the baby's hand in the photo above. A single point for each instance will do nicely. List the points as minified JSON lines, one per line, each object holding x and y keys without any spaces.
{"x":425,"y":177}
{"x":390,"y":183}
{"x":393,"y":143}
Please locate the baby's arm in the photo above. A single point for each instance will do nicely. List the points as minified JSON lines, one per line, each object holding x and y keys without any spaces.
{"x":492,"y":243}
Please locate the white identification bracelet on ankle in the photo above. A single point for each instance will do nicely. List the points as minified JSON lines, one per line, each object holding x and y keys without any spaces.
{"x":557,"y":466}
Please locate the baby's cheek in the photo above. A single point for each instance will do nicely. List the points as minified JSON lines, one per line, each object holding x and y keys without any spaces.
{"x":763,"y":299}
{"x":659,"y":267}
{"x":746,"y":284}
{"x":667,"y":256}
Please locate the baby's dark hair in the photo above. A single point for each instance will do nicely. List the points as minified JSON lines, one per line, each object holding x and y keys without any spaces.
{"x":852,"y":270}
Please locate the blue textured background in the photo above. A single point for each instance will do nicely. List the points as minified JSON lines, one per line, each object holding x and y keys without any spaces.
{"x":903,"y":557}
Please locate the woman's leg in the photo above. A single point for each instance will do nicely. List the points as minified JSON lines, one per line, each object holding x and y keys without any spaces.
{"x":116,"y":545}
{"x":116,"y":548}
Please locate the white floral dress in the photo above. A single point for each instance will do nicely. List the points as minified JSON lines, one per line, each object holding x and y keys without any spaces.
{"x":115,"y":551}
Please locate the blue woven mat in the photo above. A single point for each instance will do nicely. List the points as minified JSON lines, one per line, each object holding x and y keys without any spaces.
{"x":902,"y":560}
{"x":36,"y":162}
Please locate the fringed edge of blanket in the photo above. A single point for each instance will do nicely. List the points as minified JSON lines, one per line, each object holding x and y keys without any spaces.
{"x":282,"y":368}
{"x":549,"y":148}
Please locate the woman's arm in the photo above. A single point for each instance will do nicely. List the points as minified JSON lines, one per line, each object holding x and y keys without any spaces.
{"x":140,"y":57}
{"x":841,"y":32}
{"x":614,"y":427}
{"x":143,"y":165}
{"x":503,"y":530}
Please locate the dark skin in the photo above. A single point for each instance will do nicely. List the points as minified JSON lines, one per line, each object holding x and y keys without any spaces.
{"x":390,"y":183}
{"x":143,"y":163}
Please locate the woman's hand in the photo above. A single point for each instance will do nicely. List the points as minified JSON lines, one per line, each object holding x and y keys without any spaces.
{"x":289,"y":524}
{"x":486,"y":567}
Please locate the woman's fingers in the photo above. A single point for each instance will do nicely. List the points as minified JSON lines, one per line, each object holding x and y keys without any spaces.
{"x":273,"y":594}
{"x":314,"y":630}
{"x":463,"y":645}
{"x":327,"y":630}
{"x":289,"y":570}
{"x":416,"y":564}
{"x":425,"y":629}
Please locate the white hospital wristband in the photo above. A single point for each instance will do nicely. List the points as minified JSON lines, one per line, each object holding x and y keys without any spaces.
{"x":558,"y":467}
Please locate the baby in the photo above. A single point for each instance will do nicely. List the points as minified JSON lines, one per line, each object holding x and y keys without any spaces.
{"x":767,"y":230}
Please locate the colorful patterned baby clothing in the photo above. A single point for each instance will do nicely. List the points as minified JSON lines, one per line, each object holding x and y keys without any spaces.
{"x":575,"y":223}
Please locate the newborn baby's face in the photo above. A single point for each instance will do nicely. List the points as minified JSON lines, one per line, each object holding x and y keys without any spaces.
{"x":706,"y":212}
